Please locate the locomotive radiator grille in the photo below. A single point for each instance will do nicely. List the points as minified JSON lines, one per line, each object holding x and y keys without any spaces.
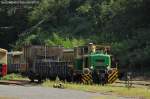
{"x":112,"y":77}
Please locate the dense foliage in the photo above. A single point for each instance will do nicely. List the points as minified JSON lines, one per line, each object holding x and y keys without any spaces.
{"x":124,"y":24}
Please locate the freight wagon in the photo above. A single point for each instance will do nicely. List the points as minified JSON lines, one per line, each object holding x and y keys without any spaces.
{"x":45,"y":62}
{"x":3,"y":62}
{"x":86,"y":64}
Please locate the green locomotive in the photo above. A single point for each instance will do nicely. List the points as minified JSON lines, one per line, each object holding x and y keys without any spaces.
{"x":93,"y":64}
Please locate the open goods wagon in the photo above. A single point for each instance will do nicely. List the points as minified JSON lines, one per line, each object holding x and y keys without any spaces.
{"x":47,"y":62}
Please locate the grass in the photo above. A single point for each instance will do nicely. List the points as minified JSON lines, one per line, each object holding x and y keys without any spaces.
{"x":141,"y":93}
{"x":13,"y":76}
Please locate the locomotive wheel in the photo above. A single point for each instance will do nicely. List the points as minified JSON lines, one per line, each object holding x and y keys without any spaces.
{"x":77,"y":78}
{"x":31,"y":79}
{"x":31,"y":76}
{"x":39,"y":80}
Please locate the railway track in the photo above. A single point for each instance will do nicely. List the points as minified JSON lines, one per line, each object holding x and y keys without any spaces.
{"x":15,"y":82}
{"x":134,"y":83}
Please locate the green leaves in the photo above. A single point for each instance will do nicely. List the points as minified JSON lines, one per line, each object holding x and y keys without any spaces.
{"x":48,"y":9}
{"x":66,"y":42}
{"x":84,"y":8}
